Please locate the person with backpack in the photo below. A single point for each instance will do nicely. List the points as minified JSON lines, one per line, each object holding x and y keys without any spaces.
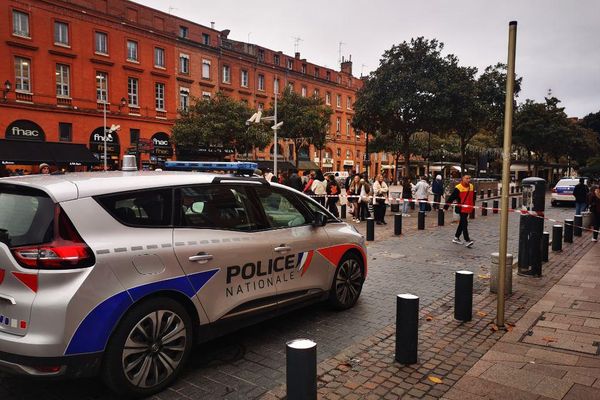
{"x":333,"y":191}
{"x":437,"y":187}
{"x":464,"y":195}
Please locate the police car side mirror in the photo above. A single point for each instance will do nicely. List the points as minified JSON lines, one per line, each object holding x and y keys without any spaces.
{"x":320,"y":219}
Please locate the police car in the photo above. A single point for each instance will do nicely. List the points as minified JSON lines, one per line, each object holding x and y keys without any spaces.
{"x":563,"y":191}
{"x":120,"y":273}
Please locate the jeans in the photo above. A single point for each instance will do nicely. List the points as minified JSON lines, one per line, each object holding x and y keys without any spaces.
{"x":379,"y":209}
{"x":405,"y":206}
{"x":463,"y":227}
{"x":436,"y":199}
{"x":423,"y":205}
{"x":579,"y":208}
{"x":332,"y":205}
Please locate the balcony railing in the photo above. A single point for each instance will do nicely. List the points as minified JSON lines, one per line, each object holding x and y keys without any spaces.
{"x":20,"y":96}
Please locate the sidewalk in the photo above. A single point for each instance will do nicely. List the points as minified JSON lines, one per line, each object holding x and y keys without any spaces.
{"x":553,"y":350}
{"x":456,"y":360}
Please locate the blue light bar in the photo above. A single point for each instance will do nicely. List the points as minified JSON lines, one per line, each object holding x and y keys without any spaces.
{"x":239,"y":167}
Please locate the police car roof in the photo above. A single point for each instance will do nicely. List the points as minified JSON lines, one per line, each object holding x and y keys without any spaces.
{"x":71,"y":186}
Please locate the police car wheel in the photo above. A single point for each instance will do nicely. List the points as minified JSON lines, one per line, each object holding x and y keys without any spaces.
{"x":148,"y":348}
{"x":347,"y":282}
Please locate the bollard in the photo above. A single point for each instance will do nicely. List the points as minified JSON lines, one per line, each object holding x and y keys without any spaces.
{"x":484,"y":208}
{"x":412,"y":204}
{"x":508,"y":272}
{"x":395,"y":206}
{"x":489,"y":193}
{"x":463,"y":296}
{"x":568,"y":231}
{"x":481,"y":193}
{"x":545,"y":244}
{"x":343,"y":211}
{"x":524,"y":232}
{"x":535,"y":246}
{"x":512,"y":189}
{"x":301,"y":369}
{"x":513,"y":203}
{"x":577,"y":224}
{"x":557,"y":233}
{"x":495,"y":206}
{"x":397,"y":224}
{"x":472,"y":214}
{"x":441,"y":216}
{"x":421,"y":221}
{"x":407,"y":328}
{"x":370,"y":229}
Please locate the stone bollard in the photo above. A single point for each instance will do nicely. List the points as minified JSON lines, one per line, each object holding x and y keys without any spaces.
{"x":489,"y":193}
{"x":481,"y":193}
{"x":507,"y":273}
{"x":441,"y":215}
{"x":514,"y":203}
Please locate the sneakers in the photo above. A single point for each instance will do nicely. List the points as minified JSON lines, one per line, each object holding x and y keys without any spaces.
{"x":469,"y":244}
{"x":457,"y":241}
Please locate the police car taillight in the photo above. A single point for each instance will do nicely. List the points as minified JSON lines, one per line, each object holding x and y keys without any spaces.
{"x":66,"y":251}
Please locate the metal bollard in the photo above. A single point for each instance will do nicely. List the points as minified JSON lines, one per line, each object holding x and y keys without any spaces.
{"x":577,"y":224}
{"x":568,"y":231}
{"x":370,"y":229}
{"x":421,"y":220}
{"x":481,"y":193}
{"x":513,"y":203}
{"x":397,"y":224}
{"x":535,"y":246}
{"x":412,"y":205}
{"x":463,"y":296}
{"x":407,"y":328}
{"x":557,"y":233}
{"x":343,"y":211}
{"x":484,"y":208}
{"x":524,"y":253}
{"x":545,"y":244}
{"x":441,"y":215}
{"x":489,"y":193}
{"x":472,"y":214}
{"x":395,"y":207}
{"x":301,"y":369}
{"x":496,"y":206}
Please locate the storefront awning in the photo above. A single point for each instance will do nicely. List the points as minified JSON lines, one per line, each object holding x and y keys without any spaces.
{"x":304,"y":165}
{"x":23,"y":152}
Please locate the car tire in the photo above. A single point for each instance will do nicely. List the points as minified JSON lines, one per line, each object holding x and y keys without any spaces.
{"x":347,"y":282}
{"x":152,"y":363}
{"x":553,"y":203}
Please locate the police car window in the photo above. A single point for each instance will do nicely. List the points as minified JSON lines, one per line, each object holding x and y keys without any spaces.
{"x":314,"y":207}
{"x":217,"y":207}
{"x":282,"y":209}
{"x":148,"y":208}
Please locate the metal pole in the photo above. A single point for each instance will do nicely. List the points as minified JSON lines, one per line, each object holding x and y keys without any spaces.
{"x":275,"y":131}
{"x":463,"y":295}
{"x":577,"y":224}
{"x":301,"y":369}
{"x":557,"y":237}
{"x":370,"y":229}
{"x":508,"y":120}
{"x":104,"y":100}
{"x":484,"y":208}
{"x":397,"y":224}
{"x":407,"y":328}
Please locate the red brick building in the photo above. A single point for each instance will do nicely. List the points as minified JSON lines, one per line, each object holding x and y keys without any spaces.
{"x":64,"y":61}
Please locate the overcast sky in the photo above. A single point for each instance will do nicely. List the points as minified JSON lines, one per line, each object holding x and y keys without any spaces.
{"x":558,"y":42}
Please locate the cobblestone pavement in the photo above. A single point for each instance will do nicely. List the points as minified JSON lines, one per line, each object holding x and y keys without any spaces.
{"x":248,"y":363}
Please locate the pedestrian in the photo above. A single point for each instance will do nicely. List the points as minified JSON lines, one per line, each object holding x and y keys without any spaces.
{"x":380,"y":190}
{"x":44,"y":169}
{"x":4,"y":172}
{"x":580,"y":192}
{"x":406,"y":196}
{"x":594,"y":202}
{"x":365,"y":199}
{"x":353,"y":193}
{"x":294,"y":181}
{"x":333,"y":191}
{"x":268,"y":175}
{"x":464,"y":196}
{"x":319,"y":186}
{"x":438,"y":191}
{"x":421,"y":191}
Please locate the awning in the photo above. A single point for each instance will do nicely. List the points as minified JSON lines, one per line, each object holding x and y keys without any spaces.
{"x":281,"y":165}
{"x":305,"y":165}
{"x":22,"y":152}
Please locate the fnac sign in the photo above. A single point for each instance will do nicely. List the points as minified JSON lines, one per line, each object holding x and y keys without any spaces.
{"x":23,"y":129}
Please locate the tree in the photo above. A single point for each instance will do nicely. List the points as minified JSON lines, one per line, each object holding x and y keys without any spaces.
{"x":530,"y":126}
{"x":305,"y":120}
{"x":592,"y":121}
{"x":402,"y":96}
{"x":220,"y":121}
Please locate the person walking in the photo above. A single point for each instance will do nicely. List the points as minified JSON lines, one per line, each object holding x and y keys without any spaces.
{"x":580,"y":192}
{"x":421,"y":191}
{"x":333,"y":191}
{"x":406,"y":196}
{"x":365,"y":198}
{"x":437,"y":187}
{"x":353,"y":191}
{"x":318,"y":186}
{"x":380,"y":190}
{"x":594,"y":202}
{"x":464,"y":196}
{"x":294,"y":181}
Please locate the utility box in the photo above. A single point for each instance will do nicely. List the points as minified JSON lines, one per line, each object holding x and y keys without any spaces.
{"x":531,"y":227}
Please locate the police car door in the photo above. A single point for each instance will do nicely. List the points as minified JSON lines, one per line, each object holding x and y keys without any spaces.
{"x":298,"y":269}
{"x":218,"y":233}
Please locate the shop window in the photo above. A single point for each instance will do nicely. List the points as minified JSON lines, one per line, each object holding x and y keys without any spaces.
{"x":65,"y":132}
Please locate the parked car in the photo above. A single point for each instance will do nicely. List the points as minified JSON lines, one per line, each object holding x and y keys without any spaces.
{"x":119,"y":273}
{"x":340,"y":176}
{"x":563,"y":191}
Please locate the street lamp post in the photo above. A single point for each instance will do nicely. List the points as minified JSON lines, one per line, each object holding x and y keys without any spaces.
{"x":275,"y":127}
{"x":6,"y":89}
{"x":104,"y":100}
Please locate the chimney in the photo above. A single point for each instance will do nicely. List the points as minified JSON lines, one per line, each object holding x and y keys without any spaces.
{"x":212,"y":25}
{"x":346,"y":66}
{"x":297,"y":55}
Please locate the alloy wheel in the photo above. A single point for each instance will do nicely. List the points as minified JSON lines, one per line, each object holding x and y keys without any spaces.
{"x":348,"y":282}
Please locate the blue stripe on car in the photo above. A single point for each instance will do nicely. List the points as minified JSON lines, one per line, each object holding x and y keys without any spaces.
{"x":92,"y":334}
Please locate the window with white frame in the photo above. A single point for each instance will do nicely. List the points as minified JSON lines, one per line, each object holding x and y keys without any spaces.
{"x":338,"y":124}
{"x":348,"y":153}
{"x":159,"y":57}
{"x":226,"y":74}
{"x":101,"y":42}
{"x":276,"y":59}
{"x":132,"y":50}
{"x":291,"y":86}
{"x":328,"y":98}
{"x":339,"y":152}
{"x":348,"y":128}
{"x":20,"y":23}
{"x":206,"y":39}
{"x":101,"y":87}
{"x":61,"y":33}
{"x":132,"y":92}
{"x":304,"y":91}
{"x":244,"y":78}
{"x":206,"y":69}
{"x":328,"y":75}
{"x":349,"y":103}
{"x":261,"y":106}
{"x":303,"y":68}
{"x":276,"y":85}
{"x":183,"y":32}
{"x":290,"y":63}
{"x":184,"y":64}
{"x":206,"y":95}
{"x":260,"y":82}
{"x":63,"y":76}
{"x":339,"y":101}
{"x":22,"y":74}
{"x":184,"y":99}
{"x":159,"y":94}
{"x":316,"y":93}
{"x":317,"y":72}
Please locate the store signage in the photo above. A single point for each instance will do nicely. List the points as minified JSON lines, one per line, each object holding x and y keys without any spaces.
{"x":162,"y":145}
{"x":97,"y":142}
{"x":23,"y":129}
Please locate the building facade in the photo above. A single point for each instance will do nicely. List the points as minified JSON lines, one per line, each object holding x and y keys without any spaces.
{"x":71,"y":65}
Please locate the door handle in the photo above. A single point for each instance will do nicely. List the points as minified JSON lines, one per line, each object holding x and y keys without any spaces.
{"x":282,"y":248}
{"x":8,"y":299}
{"x":201,"y":258}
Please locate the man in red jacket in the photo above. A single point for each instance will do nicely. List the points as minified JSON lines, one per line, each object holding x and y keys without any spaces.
{"x":464,"y":195}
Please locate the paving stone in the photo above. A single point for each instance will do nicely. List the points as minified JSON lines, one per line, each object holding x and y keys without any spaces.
{"x":580,"y":392}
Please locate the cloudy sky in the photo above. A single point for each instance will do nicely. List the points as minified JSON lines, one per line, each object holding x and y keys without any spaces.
{"x":558,"y":42}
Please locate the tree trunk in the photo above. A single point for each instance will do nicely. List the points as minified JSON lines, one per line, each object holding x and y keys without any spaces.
{"x":396,"y":169}
{"x":463,"y":151}
{"x":528,"y":163}
{"x":406,"y":153}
